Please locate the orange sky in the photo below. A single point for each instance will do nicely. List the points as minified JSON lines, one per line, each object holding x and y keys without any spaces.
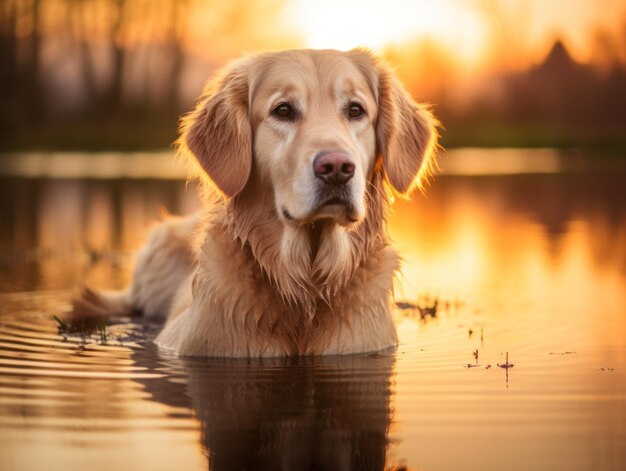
{"x":452,"y":44}
{"x":437,"y":46}
{"x":472,"y":29}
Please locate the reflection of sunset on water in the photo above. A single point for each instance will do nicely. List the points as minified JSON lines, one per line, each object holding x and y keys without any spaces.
{"x":497,"y":243}
{"x":488,"y":241}
{"x":529,"y":265}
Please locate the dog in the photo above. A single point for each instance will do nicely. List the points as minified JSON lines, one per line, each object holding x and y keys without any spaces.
{"x":300,"y":152}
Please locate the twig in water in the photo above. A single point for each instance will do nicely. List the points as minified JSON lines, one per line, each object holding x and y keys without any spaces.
{"x":506,"y":365}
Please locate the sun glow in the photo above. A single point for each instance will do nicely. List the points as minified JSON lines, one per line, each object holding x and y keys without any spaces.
{"x":328,"y":24}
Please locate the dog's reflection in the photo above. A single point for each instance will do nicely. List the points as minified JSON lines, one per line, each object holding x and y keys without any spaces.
{"x":297,"y":413}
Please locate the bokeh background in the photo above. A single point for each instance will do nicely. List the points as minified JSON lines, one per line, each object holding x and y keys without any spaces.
{"x":117,"y":74}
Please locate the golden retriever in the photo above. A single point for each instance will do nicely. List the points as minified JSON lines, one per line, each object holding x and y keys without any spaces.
{"x":303,"y":149}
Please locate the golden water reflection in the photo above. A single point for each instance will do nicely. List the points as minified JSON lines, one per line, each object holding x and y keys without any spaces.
{"x":531,"y":265}
{"x":538,"y":264}
{"x":536,"y":246}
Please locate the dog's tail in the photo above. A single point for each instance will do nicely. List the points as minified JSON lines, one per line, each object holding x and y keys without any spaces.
{"x":93,"y":304}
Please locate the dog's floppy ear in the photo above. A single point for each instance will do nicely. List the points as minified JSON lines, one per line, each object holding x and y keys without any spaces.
{"x":406,"y":134}
{"x":218,"y":132}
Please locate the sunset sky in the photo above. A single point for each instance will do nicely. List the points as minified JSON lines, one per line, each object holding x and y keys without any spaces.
{"x":451,"y":52}
{"x":457,"y":45}
{"x":463,"y":26}
{"x":474,"y":35}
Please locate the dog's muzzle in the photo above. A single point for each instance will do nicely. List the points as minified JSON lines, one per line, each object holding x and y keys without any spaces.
{"x":334,"y":170}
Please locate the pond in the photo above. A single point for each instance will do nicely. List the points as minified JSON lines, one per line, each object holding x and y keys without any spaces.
{"x":520,"y":362}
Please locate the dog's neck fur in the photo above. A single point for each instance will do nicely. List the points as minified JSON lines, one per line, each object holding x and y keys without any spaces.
{"x":309,"y":264}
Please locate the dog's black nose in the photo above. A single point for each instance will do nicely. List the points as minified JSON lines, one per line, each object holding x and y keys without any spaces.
{"x":334,"y":168}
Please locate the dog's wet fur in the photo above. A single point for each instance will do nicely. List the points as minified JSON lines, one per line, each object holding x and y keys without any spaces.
{"x":290,"y":254}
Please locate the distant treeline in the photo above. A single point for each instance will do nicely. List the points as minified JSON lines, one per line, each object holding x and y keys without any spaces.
{"x":104,"y":74}
{"x":558,"y":102}
{"x":72,"y":65}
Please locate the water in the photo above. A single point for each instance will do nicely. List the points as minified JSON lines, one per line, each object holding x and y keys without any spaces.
{"x":525,"y":260}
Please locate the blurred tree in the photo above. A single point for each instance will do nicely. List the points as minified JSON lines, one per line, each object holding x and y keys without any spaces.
{"x":117,"y":73}
{"x":75,"y":70}
{"x":119,"y":23}
{"x":20,"y":60}
{"x":179,"y":10}
{"x":8,"y":63}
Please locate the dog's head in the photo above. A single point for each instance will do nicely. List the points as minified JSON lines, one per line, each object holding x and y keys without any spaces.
{"x":315,"y":124}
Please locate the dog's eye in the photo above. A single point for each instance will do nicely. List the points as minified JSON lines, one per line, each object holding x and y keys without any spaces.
{"x":355,"y":110}
{"x":284,"y":111}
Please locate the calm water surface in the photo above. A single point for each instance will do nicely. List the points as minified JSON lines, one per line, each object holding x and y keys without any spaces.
{"x":524,"y":259}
